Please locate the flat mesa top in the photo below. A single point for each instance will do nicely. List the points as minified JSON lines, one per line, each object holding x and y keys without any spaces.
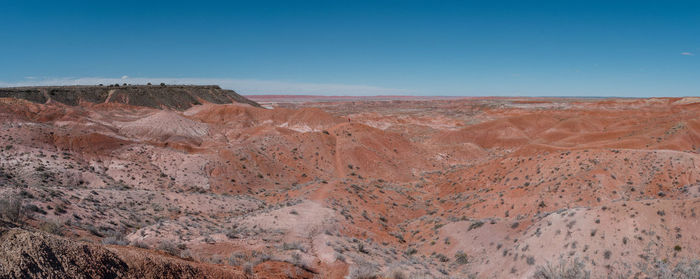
{"x":178,"y":97}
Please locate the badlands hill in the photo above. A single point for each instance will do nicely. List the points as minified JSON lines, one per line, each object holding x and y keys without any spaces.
{"x":178,"y":97}
{"x":398,"y":188}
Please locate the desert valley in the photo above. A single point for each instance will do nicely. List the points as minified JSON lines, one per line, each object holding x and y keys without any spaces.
{"x":166,"y":181}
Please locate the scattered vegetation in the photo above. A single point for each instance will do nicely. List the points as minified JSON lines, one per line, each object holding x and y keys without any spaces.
{"x":363,"y":270}
{"x":11,"y":209}
{"x":575,"y":269}
{"x":52,"y":227}
{"x":169,"y":247}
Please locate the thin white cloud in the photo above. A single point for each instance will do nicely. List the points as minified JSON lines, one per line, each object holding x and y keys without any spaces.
{"x":242,"y":86}
{"x":686,"y":53}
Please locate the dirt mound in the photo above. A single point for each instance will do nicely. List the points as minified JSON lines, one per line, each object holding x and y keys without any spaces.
{"x":687,"y":100}
{"x":27,"y":254}
{"x":179,"y":97}
{"x":368,"y":151}
{"x":302,"y":120}
{"x":490,"y":134}
{"x":87,"y":143}
{"x":166,"y":126}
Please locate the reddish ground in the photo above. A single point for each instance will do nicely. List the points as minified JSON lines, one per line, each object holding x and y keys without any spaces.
{"x":331,"y":186}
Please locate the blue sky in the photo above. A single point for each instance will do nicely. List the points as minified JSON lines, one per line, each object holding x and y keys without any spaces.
{"x":532,"y":48}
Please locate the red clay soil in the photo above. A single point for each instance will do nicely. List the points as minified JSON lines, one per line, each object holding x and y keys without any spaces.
{"x":484,"y":187}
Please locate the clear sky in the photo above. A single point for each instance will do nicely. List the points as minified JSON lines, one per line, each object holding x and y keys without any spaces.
{"x":534,"y":48}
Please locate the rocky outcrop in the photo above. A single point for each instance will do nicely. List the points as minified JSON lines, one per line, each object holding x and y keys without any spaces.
{"x":25,"y":254}
{"x":28,"y":254}
{"x":177,"y":97}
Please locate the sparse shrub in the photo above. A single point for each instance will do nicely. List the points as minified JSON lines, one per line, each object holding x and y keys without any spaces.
{"x":461,"y":257}
{"x":139,"y":244}
{"x":364,"y":214}
{"x":30,"y":209}
{"x":214,"y":259}
{"x":248,"y":268}
{"x":476,"y":225}
{"x":398,"y":236}
{"x":397,"y":274}
{"x":185,"y":254}
{"x":182,"y":246}
{"x":114,"y":240}
{"x":361,"y":248}
{"x":60,"y":209}
{"x":363,"y":270}
{"x":93,"y":230}
{"x":296,"y":259}
{"x":685,"y":269}
{"x":11,"y":209}
{"x":169,"y":247}
{"x":411,"y":251}
{"x":293,"y":246}
{"x":209,"y":240}
{"x":233,"y":233}
{"x":52,"y":227}
{"x":564,"y":270}
{"x":236,"y":258}
{"x":339,"y":257}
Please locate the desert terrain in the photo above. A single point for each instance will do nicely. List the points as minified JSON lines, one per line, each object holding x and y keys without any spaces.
{"x":200,"y":182}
